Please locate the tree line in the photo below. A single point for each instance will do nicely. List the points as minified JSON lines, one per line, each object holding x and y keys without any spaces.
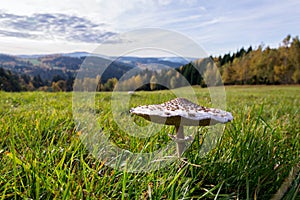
{"x":13,"y":82}
{"x":263,"y":65}
{"x":251,"y":66}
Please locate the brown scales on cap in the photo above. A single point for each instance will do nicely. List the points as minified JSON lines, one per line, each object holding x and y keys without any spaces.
{"x":183,"y":112}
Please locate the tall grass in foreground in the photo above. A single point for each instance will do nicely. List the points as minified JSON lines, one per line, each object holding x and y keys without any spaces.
{"x":42,"y":156}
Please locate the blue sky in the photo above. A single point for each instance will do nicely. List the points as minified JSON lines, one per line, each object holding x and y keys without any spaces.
{"x":35,"y":27}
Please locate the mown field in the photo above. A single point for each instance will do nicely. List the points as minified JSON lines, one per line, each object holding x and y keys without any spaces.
{"x":43,"y":157}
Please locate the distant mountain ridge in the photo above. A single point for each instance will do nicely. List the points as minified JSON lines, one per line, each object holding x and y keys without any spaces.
{"x":80,"y":54}
{"x":66,"y":65}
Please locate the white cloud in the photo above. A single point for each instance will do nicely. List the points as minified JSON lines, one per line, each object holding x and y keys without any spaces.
{"x":53,"y":26}
{"x":220,"y":26}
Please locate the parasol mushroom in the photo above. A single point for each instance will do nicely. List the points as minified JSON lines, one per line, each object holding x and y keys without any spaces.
{"x":181,"y":112}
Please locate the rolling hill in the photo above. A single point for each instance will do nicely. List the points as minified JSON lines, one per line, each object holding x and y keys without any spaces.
{"x":67,"y":65}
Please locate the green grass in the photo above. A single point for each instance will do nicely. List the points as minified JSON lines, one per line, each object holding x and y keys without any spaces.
{"x":43,"y":157}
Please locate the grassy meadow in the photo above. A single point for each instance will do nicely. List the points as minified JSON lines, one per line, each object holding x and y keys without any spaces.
{"x":43,"y":157}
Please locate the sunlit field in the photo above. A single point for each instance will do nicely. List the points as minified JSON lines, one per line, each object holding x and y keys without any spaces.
{"x":258,"y":156}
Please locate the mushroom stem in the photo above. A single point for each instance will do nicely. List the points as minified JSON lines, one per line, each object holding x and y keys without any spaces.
{"x":180,"y":140}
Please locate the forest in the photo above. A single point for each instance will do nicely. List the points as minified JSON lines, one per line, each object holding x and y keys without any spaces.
{"x":250,"y":66}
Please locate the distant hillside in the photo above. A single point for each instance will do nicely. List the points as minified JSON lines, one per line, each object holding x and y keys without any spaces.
{"x":173,"y":62}
{"x":50,"y":66}
{"x":34,"y":71}
{"x":67,"y":65}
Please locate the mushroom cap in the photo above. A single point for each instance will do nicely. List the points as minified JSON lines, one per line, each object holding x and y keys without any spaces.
{"x":182,"y":112}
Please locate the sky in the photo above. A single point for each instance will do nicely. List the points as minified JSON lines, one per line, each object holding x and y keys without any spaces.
{"x":218,"y":27}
